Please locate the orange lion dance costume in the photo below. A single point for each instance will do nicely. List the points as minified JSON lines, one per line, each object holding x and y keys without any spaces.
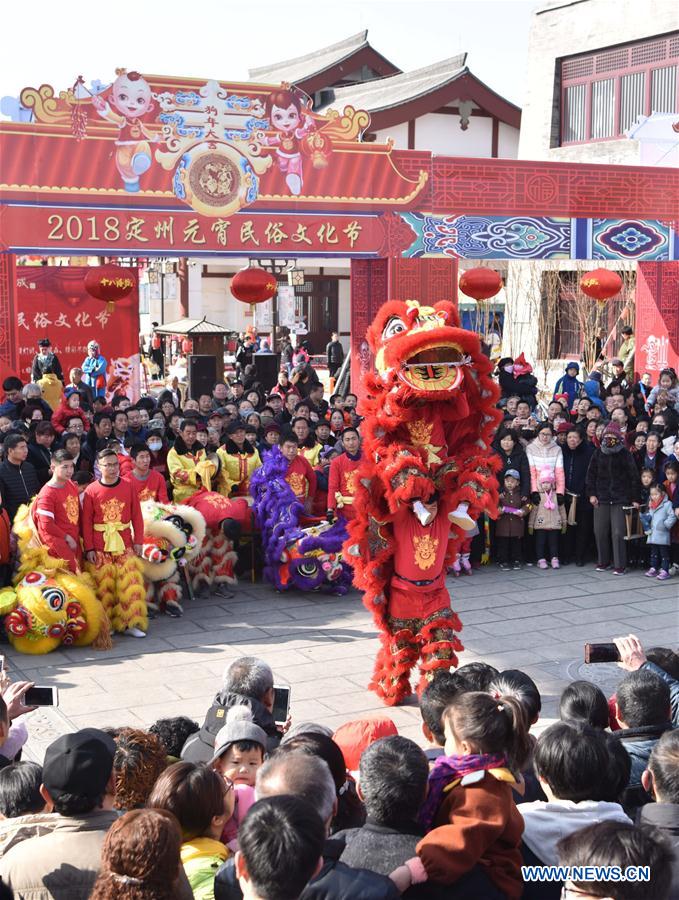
{"x":429,"y":420}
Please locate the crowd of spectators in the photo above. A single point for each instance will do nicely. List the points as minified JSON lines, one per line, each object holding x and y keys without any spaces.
{"x":599,"y":461}
{"x":588,"y":477}
{"x":243,"y":806}
{"x":240,"y":418}
{"x":255,"y":809}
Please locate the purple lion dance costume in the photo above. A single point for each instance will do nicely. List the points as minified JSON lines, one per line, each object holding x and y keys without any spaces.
{"x":305,"y":559}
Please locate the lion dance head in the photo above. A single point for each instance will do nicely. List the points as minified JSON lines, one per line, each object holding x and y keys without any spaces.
{"x":422,"y":353}
{"x":43,"y":612}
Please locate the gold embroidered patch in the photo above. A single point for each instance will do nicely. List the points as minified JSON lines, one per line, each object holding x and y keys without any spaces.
{"x":72,"y":508}
{"x":425,"y":551}
{"x":351,"y":482}
{"x":298,"y":484}
{"x":420,"y":432}
{"x":112,"y":510}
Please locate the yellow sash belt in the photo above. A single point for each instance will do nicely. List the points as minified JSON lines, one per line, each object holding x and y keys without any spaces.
{"x":113,"y":543}
{"x":205,"y":468}
{"x":341,"y":500}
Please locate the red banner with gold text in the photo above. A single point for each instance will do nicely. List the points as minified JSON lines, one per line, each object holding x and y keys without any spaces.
{"x":51,"y":301}
{"x":82,"y":231}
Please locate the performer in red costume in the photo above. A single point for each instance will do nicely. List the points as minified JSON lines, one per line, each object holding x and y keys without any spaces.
{"x":113,"y":534}
{"x":300,"y":476}
{"x":146,"y":482}
{"x":429,"y":418}
{"x":56,"y":513}
{"x":343,"y":476}
{"x":420,"y":620}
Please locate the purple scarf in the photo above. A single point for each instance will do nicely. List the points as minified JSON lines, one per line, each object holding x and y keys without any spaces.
{"x":450,"y":768}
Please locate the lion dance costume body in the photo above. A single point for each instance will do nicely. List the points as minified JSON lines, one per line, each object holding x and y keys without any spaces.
{"x":49,"y":606}
{"x":173,"y":536}
{"x":295,"y":557}
{"x":429,"y":418}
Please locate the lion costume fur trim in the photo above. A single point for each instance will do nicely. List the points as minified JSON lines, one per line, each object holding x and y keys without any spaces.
{"x":394,"y":470}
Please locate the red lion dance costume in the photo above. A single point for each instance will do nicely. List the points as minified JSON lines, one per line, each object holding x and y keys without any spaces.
{"x":429,"y":420}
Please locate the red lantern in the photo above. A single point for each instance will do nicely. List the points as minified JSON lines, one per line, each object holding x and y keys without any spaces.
{"x":110,"y":283}
{"x":253,"y":285}
{"x":187,"y":345}
{"x":481,"y":283}
{"x":601,"y":284}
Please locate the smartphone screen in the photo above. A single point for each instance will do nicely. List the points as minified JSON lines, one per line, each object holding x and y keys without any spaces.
{"x":281,"y":703}
{"x":41,"y":696}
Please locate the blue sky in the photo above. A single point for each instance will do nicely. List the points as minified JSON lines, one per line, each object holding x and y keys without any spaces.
{"x":222,"y":38}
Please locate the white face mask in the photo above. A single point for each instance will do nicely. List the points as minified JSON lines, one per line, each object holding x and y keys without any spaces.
{"x":154,"y":446}
{"x":509,"y":369}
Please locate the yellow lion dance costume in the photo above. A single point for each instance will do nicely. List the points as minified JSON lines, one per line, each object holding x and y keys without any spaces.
{"x":49,"y":606}
{"x":173,"y":536}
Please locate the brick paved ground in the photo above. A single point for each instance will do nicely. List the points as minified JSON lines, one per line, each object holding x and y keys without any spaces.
{"x":324,"y":648}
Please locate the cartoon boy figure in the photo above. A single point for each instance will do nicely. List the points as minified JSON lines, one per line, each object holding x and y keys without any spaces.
{"x":130,"y":100}
{"x":287,"y":117}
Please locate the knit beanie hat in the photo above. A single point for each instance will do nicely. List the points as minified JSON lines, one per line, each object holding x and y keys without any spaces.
{"x":522,"y":366}
{"x":573,"y":365}
{"x":611,"y":439}
{"x":239,"y":727}
{"x":546,"y":475}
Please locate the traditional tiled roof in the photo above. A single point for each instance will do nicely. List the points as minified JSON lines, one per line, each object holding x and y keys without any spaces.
{"x":303,"y":67}
{"x":394,"y":90}
{"x":191,"y":326}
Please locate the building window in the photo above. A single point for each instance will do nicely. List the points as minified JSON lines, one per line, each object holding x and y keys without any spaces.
{"x":664,"y":89}
{"x":604,"y":93}
{"x":603,"y":108}
{"x":574,"y":113}
{"x":632,"y":89}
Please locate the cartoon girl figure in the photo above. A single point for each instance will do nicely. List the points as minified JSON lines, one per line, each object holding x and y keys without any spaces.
{"x":130,"y":99}
{"x":287,"y":117}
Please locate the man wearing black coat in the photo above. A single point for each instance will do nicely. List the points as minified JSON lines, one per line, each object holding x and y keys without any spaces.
{"x":46,"y":362}
{"x":335,"y":354}
{"x":247,"y":682}
{"x":577,"y":453}
{"x":19,"y":481}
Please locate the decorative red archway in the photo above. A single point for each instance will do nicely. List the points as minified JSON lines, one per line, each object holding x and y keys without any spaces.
{"x":199,"y":169}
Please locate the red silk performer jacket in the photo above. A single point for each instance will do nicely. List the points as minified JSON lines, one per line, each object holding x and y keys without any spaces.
{"x":57,"y":514}
{"x":342,"y":484}
{"x":111,"y":517}
{"x":151,"y":488}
